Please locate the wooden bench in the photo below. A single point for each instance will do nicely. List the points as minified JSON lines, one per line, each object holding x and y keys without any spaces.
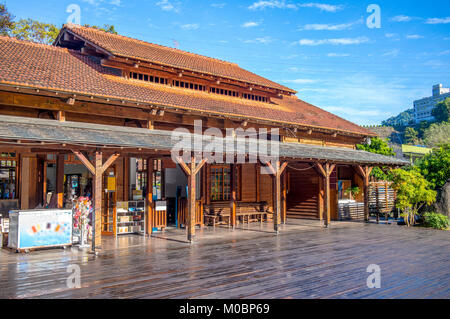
{"x":219,"y":212}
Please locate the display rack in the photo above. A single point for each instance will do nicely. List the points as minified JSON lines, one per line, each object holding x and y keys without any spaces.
{"x":130,"y":218}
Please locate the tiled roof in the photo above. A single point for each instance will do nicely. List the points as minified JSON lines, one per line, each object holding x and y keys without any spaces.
{"x":47,"y":67}
{"x":19,"y":128}
{"x":122,"y":46}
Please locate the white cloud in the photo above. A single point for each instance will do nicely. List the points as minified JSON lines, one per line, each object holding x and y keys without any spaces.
{"x":414,"y":36}
{"x":263,"y":40}
{"x":353,"y":111}
{"x":392,"y":53}
{"x":167,"y":5}
{"x":337,"y":55}
{"x":300,"y":81}
{"x":322,"y":6}
{"x":192,"y":26}
{"x":361,"y":98}
{"x":401,"y":18}
{"x":339,"y":41}
{"x":250,"y":24}
{"x":218,"y":5}
{"x":329,"y":27}
{"x":391,"y":35}
{"x":262,"y":4}
{"x":282,"y":4}
{"x":438,"y":20}
{"x":444,"y":52}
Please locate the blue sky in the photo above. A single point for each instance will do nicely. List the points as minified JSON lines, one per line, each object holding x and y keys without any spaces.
{"x":325,"y":50}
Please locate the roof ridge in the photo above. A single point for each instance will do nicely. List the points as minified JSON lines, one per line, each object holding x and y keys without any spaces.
{"x":29,"y":42}
{"x":71,"y":25}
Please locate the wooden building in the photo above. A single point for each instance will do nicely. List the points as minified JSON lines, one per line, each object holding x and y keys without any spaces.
{"x":96,"y":110}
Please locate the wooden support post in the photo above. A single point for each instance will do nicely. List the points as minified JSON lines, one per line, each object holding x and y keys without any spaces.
{"x":365,"y":174}
{"x":97,"y":200}
{"x":97,"y":169}
{"x":61,"y":116}
{"x":325,"y":171}
{"x":378,"y":203}
{"x":233,"y":195}
{"x":149,"y":196}
{"x":276,"y":172}
{"x":60,"y":180}
{"x":191,"y":171}
{"x":284,"y":197}
{"x":191,"y":203}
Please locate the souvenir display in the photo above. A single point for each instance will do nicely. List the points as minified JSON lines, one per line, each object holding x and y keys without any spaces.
{"x":82,"y":212}
{"x":130,"y":217}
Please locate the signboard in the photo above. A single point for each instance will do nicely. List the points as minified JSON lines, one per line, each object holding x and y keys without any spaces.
{"x":40,"y":228}
{"x":160,"y":205}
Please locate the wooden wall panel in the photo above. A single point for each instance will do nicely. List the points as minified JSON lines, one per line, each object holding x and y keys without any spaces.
{"x":119,"y":164}
{"x":303,"y":196}
{"x":248,"y":183}
{"x":265,"y":188}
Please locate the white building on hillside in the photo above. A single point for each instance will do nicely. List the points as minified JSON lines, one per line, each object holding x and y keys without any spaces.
{"x":423,"y":107}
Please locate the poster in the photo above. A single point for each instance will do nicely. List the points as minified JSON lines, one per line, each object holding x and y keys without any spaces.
{"x":44,"y":228}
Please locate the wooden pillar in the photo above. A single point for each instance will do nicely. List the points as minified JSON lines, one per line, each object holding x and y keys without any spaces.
{"x":97,"y":200}
{"x":61,"y":116}
{"x":233,"y":195}
{"x":257,"y":188}
{"x":284,"y":197}
{"x":191,"y":172}
{"x":327,"y":197}
{"x":378,"y":203}
{"x":149,"y":196}
{"x":277,"y":171}
{"x":60,"y":180}
{"x":191,"y":202}
{"x":365,"y":171}
{"x":326,"y":170}
{"x":97,"y":171}
{"x":207,"y":184}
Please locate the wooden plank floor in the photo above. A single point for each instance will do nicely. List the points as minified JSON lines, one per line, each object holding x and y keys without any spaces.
{"x":304,"y":261}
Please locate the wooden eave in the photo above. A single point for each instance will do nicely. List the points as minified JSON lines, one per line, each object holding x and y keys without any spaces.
{"x":87,"y":97}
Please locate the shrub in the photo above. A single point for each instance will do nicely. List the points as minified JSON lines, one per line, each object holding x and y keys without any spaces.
{"x":436,"y":221}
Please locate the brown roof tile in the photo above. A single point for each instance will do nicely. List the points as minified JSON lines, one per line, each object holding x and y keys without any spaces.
{"x":122,"y":46}
{"x":47,"y":67}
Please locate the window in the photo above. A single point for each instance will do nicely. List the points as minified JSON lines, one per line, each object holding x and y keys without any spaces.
{"x":8,"y":173}
{"x":220,"y":183}
{"x":188,"y":85}
{"x":254,"y":97}
{"x":223,"y":92}
{"x":141,"y":178}
{"x":147,"y":78}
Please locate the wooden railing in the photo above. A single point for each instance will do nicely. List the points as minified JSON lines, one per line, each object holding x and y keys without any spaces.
{"x":159,"y":218}
{"x":381,"y":197}
{"x":183,"y":209}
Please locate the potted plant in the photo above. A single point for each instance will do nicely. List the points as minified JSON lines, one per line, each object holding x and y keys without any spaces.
{"x":354,"y":191}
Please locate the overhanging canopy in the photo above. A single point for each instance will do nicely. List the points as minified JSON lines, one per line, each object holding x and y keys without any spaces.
{"x":44,"y":132}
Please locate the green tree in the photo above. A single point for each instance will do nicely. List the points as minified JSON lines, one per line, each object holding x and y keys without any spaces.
{"x":435,"y":166}
{"x":106,"y":27}
{"x":441,"y":111}
{"x":378,"y":146}
{"x":6,"y":20}
{"x":411,"y":135}
{"x":437,"y":134}
{"x":401,"y":120}
{"x":32,"y":30}
{"x":413,"y":191}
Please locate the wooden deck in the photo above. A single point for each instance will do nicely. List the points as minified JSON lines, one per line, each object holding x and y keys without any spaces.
{"x":304,"y":261}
